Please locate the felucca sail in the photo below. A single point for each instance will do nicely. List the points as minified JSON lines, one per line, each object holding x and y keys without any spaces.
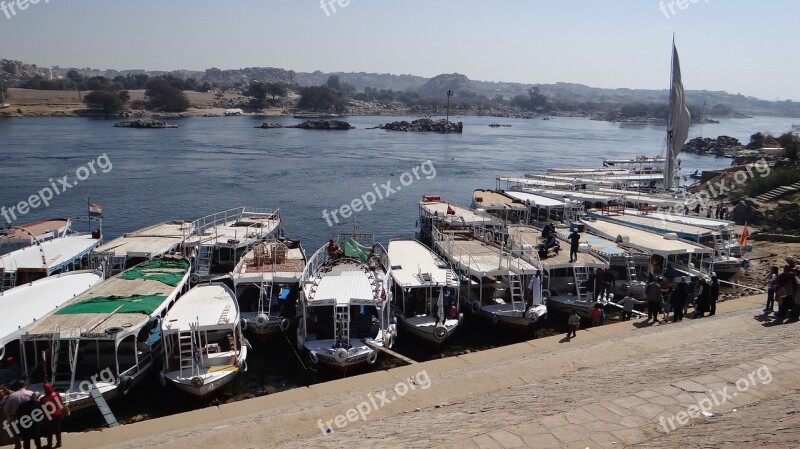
{"x":679,"y":120}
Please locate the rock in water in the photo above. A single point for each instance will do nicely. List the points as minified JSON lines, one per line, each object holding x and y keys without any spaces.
{"x":270,"y":125}
{"x":324,"y":124}
{"x":425,"y":125}
{"x":142,"y":124}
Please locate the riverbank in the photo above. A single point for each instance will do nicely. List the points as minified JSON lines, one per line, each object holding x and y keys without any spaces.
{"x":605,"y":388}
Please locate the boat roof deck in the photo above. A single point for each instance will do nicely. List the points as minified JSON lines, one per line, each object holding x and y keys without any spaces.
{"x":653,"y":224}
{"x":43,"y":228}
{"x":291,"y":268}
{"x":28,"y":303}
{"x":596,"y":242}
{"x":342,"y":283}
{"x":527,"y":235}
{"x":535,"y":182}
{"x":114,"y":286}
{"x":643,"y":240}
{"x":468,"y":215}
{"x":56,"y":252}
{"x":148,"y":242}
{"x":536,"y":200}
{"x":410,"y":258}
{"x":249,"y":228}
{"x":708,"y":223}
{"x":212,"y":306}
{"x":490,"y":199}
{"x":483,"y":259}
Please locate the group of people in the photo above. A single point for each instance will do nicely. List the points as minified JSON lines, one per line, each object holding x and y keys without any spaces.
{"x":783,"y":289}
{"x":28,"y":416}
{"x":662,"y":297}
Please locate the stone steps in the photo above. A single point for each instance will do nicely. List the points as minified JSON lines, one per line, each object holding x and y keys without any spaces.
{"x":778,"y":192}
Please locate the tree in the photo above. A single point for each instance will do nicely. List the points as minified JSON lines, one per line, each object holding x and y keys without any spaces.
{"x":165,"y":94}
{"x":791,"y":144}
{"x":109,"y":102}
{"x":276,"y":90}
{"x":258,"y":91}
{"x":342,"y":89}
{"x":318,"y":97}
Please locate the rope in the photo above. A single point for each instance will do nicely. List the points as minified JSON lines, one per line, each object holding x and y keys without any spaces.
{"x":293,"y":350}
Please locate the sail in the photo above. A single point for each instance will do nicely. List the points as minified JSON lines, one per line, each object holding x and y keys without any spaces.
{"x":679,"y":120}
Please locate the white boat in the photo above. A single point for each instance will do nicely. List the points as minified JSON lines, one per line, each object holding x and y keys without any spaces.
{"x":204,"y":348}
{"x":346,"y":306}
{"x":24,"y":305}
{"x":68,"y":252}
{"x":38,"y":231}
{"x":494,"y":274}
{"x":110,"y":334}
{"x":220,"y":240}
{"x":424,"y":292}
{"x":564,"y":282}
{"x":136,"y":247}
{"x":267,"y":285}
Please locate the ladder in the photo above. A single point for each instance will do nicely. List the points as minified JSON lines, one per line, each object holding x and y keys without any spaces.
{"x":515,"y":284}
{"x":102,"y":405}
{"x":9,"y":280}
{"x":581,"y":278}
{"x":266,"y":288}
{"x":204,"y":255}
{"x":186,"y":348}
{"x":630,"y":268}
{"x":342,"y":324}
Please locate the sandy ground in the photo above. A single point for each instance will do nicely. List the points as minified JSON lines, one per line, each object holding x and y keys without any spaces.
{"x":607,"y":388}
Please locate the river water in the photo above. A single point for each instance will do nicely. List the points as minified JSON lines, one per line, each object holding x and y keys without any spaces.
{"x":211,"y":164}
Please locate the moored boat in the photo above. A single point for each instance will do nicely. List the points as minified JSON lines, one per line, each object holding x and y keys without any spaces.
{"x":424,"y":292}
{"x":136,"y":247}
{"x":204,"y":348}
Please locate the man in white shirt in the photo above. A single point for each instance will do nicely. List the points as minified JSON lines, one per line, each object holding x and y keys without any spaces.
{"x":535,"y":287}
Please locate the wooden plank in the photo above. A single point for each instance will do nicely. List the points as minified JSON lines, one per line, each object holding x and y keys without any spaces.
{"x":390,"y":352}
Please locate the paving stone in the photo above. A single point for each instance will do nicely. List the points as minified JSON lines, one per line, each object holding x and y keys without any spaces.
{"x":648,"y":410}
{"x":690,"y":386}
{"x":604,"y":440}
{"x":663,"y":400}
{"x":542,"y":440}
{"x":633,"y":421}
{"x":628,"y":402}
{"x":646,"y":394}
{"x":525,"y":429}
{"x":570,"y":433}
{"x":507,"y":439}
{"x":554,"y":421}
{"x":579,"y":416}
{"x":602,"y":426}
{"x":486,"y":442}
{"x":668,"y":390}
{"x":629,"y":436}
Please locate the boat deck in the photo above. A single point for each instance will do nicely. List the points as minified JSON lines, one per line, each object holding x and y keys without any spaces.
{"x":95,"y":323}
{"x":526,"y":235}
{"x":702,"y":222}
{"x":211,"y":306}
{"x":148,"y":242}
{"x":410,"y":259}
{"x":461,"y":213}
{"x":43,"y":229}
{"x":289,"y":269}
{"x":596,"y":242}
{"x":491,"y":200}
{"x":482,"y":259}
{"x":536,"y":200}
{"x":235,"y":228}
{"x":648,"y":242}
{"x":342,"y":283}
{"x":652,"y":224}
{"x":49,"y":256}
{"x":28,"y":303}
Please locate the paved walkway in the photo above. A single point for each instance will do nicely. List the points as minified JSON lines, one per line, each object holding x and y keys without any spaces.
{"x":622,"y":385}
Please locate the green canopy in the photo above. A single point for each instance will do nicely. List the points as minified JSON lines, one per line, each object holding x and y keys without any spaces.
{"x":153,"y":270}
{"x":144,"y":304}
{"x":356,"y":250}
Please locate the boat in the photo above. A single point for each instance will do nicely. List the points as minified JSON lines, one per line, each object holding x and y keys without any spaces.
{"x":494,"y":274}
{"x":233,"y":112}
{"x":219,"y":241}
{"x":204,"y":348}
{"x":671,"y":256}
{"x":136,"y":247}
{"x":346,"y":306}
{"x":3,"y":104}
{"x":67,"y":252}
{"x":315,"y":115}
{"x":720,"y":261}
{"x":501,"y":205}
{"x":267,"y":284}
{"x":24,"y":305}
{"x":106,"y":340}
{"x":564,"y":284}
{"x":696,"y":175}
{"x":38,"y":231}
{"x":424,"y":292}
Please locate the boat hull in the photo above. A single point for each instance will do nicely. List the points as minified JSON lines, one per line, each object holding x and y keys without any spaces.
{"x":427,"y":333}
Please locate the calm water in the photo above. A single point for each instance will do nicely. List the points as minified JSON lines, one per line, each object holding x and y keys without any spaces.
{"x":210,"y":164}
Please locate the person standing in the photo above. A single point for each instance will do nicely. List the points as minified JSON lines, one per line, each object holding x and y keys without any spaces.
{"x":772,"y":280}
{"x":574,"y":242}
{"x":20,"y":396}
{"x":573,"y":322}
{"x":627,"y":307}
{"x":608,"y":282}
{"x":31,"y":408}
{"x":535,"y":287}
{"x":52,"y":426}
{"x":713,"y":295}
{"x":654,"y":300}
{"x":703,"y":299}
{"x":678,"y":299}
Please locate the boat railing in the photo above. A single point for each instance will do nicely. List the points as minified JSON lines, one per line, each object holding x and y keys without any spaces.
{"x":202,"y":224}
{"x":313,"y":264}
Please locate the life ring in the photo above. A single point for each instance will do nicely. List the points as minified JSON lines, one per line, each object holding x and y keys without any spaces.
{"x":372,"y":357}
{"x":125,"y":383}
{"x":388,"y":340}
{"x":533,"y":317}
{"x":194,"y":278}
{"x":340,"y":355}
{"x":197,"y":381}
{"x":489,"y":236}
{"x":313,"y":357}
{"x":546,"y":294}
{"x":393,"y":330}
{"x":285,"y":324}
{"x":114,"y":330}
{"x":495,"y":318}
{"x":475,"y":307}
{"x":261,"y":320}
{"x":162,"y":379}
{"x":440,"y":332}
{"x":244,"y":324}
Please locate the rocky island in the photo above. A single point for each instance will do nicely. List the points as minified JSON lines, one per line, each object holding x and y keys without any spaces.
{"x":425,"y":125}
{"x":335,"y":125}
{"x":145,"y":124}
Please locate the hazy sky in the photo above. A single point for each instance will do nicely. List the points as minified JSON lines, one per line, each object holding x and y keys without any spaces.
{"x":739,"y":46}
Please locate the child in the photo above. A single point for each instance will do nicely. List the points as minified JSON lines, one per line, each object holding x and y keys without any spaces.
{"x":667,"y":307}
{"x":597,"y":315}
{"x":573,"y":322}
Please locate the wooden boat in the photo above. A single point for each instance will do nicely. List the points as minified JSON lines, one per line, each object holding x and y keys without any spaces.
{"x":107,"y":339}
{"x":136,"y":247}
{"x":424,"y":292}
{"x":267,"y":285}
{"x":346,"y":306}
{"x":204,"y":348}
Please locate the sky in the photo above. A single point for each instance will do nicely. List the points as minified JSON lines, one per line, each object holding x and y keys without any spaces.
{"x":739,"y":46}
